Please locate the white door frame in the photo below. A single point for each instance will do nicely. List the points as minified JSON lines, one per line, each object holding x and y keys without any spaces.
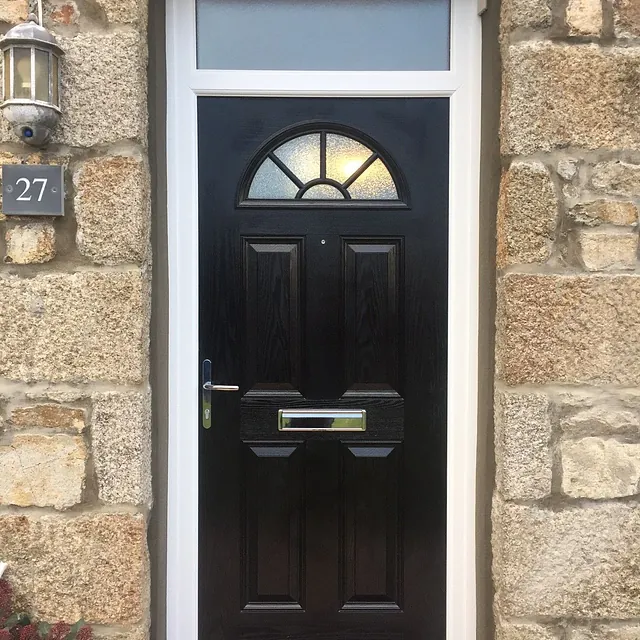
{"x":185,"y":83}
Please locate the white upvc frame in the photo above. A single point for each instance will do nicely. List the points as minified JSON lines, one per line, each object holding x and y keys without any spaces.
{"x":185,"y":83}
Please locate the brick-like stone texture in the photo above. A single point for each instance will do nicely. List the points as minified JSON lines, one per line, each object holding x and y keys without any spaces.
{"x":74,"y":327}
{"x":584,"y":17}
{"x":574,"y":329}
{"x":140,"y":633}
{"x":600,"y":468}
{"x":112,"y":209}
{"x":627,"y":18}
{"x":525,"y":631}
{"x":104,"y":97}
{"x":48,"y":416}
{"x":30,"y":244}
{"x":617,"y":178}
{"x":531,"y":14}
{"x":523,"y":445}
{"x":605,"y":211}
{"x":93,"y":566}
{"x":527,"y":213}
{"x":605,"y":632}
{"x":13,"y":11}
{"x":602,"y":250}
{"x":578,"y":562}
{"x":125,"y":11}
{"x":601,"y":419}
{"x":121,"y":437}
{"x":558,"y":95}
{"x":42,"y":471}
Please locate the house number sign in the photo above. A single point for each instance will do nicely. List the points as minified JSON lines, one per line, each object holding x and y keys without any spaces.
{"x":32,"y":190}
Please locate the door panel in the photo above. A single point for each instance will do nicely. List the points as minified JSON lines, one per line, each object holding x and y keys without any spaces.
{"x":333,"y":305}
{"x":372,"y":289}
{"x":273,"y":312}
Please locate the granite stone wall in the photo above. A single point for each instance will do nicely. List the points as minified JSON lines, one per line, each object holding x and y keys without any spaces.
{"x":75,"y":427}
{"x":566,"y":516}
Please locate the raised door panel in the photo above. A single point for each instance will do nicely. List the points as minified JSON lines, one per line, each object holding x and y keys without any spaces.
{"x":272,"y":290}
{"x":372,"y":563}
{"x":372,"y":286}
{"x":273,"y":538}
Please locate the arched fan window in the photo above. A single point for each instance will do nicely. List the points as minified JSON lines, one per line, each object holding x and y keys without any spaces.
{"x":323,"y":167}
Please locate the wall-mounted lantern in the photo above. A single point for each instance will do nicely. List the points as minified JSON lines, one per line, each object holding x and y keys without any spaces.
{"x":31,"y":88}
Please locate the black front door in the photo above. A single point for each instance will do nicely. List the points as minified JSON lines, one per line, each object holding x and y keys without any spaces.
{"x":323,"y":297}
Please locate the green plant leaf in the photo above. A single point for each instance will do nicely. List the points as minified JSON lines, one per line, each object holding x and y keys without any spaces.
{"x":12,"y":621}
{"x":44,"y":628}
{"x":75,"y":628}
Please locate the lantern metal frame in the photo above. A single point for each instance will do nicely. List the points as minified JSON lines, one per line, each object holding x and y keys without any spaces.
{"x":33,"y":118}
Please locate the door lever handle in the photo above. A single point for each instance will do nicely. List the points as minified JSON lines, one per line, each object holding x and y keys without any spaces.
{"x":208,"y":386}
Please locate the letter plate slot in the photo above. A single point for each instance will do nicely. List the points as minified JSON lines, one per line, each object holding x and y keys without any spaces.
{"x":322,"y":420}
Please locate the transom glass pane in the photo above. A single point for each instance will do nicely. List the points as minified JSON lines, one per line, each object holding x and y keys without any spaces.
{"x":323,"y":192}
{"x":375,"y":183}
{"x":302,"y":156}
{"x":271,"y":183}
{"x":344,"y":156}
{"x":332,"y":35}
{"x":322,"y":166}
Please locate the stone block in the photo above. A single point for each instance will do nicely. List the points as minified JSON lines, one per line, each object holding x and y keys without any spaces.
{"x":134,"y":634}
{"x":48,"y":416}
{"x":92,"y":566}
{"x":75,"y":327}
{"x":617,"y":178}
{"x":525,"y":631}
{"x":600,"y":468}
{"x":605,"y":211}
{"x":113,"y":209}
{"x":584,"y":17}
{"x":601,"y":419}
{"x":104,"y":89}
{"x":523,"y":445}
{"x":578,"y":562}
{"x":568,"y":328}
{"x":558,"y":95}
{"x":13,"y":11}
{"x":605,"y":632}
{"x":42,"y":471}
{"x":626,"y":18}
{"x":63,"y":12}
{"x":125,"y":11}
{"x":121,"y":439}
{"x":601,"y":250}
{"x":527,"y":213}
{"x":529,"y":14}
{"x":568,"y":169}
{"x":30,"y":243}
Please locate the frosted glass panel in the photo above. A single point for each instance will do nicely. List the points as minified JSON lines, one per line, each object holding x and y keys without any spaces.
{"x":270,"y":183}
{"x":302,"y":156}
{"x":372,"y":35}
{"x":344,"y":157}
{"x":294,"y":171}
{"x":323,"y":192}
{"x":375,"y":183}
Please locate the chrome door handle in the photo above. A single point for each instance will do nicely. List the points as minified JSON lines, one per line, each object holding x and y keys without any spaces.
{"x":208,"y":386}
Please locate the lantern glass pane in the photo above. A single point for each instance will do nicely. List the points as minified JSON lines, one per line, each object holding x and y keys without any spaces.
{"x":55,"y":98}
{"x":42,"y":75}
{"x":22,"y":73}
{"x":7,"y":74}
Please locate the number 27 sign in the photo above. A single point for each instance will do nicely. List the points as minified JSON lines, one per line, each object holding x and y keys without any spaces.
{"x":32,"y":190}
